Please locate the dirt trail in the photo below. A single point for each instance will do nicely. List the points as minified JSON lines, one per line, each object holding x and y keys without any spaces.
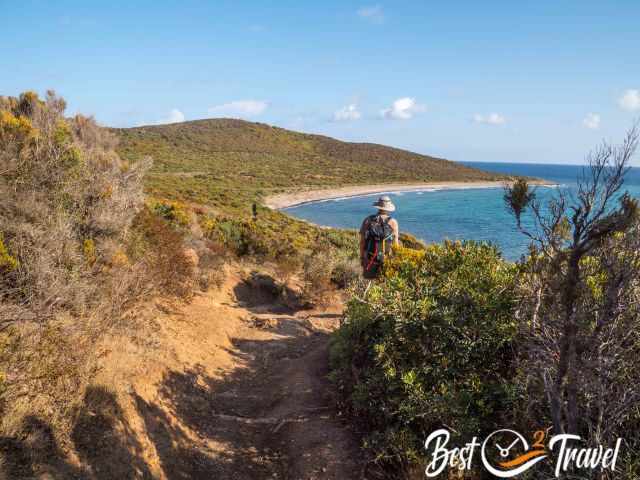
{"x":236,"y":388}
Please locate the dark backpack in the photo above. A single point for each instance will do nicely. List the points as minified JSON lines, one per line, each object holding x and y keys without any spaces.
{"x":378,"y":239}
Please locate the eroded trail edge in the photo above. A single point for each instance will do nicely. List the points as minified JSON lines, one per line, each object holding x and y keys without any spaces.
{"x":235,"y":388}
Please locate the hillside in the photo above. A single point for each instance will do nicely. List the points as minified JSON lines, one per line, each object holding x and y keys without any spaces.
{"x":229,"y":164}
{"x":142,"y":337}
{"x":146,"y":338}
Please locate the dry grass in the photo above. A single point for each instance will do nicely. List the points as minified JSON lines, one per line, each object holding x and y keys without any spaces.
{"x":324,"y":271}
{"x":79,"y":252}
{"x":67,"y":198}
{"x":164,"y":254}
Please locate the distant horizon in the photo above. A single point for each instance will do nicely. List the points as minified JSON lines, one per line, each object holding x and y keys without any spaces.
{"x":534,"y":163}
{"x":535,"y":82}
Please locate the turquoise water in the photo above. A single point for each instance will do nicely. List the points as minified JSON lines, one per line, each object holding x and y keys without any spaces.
{"x":473,"y":213}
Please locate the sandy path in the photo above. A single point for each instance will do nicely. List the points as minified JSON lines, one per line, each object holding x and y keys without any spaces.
{"x":234,"y":388}
{"x":291,"y":199}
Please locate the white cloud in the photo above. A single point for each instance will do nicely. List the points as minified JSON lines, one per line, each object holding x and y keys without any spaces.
{"x":403,"y":109}
{"x":175,"y":116}
{"x":592,"y":121}
{"x":372,"y":13}
{"x":348,"y":113}
{"x":490,"y":119}
{"x":239,"y":108}
{"x":630,"y":100}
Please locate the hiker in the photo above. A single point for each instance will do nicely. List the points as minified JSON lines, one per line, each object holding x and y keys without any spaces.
{"x":378,"y":234}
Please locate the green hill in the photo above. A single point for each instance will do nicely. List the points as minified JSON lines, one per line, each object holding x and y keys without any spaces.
{"x":229,"y":164}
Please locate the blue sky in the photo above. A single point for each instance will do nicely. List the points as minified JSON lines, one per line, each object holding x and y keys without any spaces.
{"x":477,"y":81}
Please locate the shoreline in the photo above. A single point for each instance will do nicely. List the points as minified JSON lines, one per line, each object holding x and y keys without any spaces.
{"x":293,"y":199}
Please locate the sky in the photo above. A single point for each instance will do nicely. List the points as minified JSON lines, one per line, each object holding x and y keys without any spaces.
{"x":502,"y":81}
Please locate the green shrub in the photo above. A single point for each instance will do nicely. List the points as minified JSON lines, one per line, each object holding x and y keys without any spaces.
{"x":317,"y":271}
{"x":240,"y":236}
{"x":174,"y":212}
{"x":428,"y":346}
{"x":346,"y":270}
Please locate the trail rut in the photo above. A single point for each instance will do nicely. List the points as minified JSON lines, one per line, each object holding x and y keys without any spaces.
{"x":239,"y":391}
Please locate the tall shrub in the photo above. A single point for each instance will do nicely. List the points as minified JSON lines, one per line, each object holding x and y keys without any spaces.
{"x":579,"y":294}
{"x":66,"y":206}
{"x":67,"y":200}
{"x":428,"y":346}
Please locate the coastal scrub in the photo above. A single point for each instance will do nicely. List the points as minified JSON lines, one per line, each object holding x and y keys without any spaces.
{"x":427,"y":346}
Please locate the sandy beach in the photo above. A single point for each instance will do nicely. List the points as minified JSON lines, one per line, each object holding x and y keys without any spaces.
{"x":291,"y":199}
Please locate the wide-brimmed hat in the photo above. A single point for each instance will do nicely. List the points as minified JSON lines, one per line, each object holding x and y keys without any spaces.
{"x":385,"y":203}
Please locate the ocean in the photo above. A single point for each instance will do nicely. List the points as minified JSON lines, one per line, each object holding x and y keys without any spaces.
{"x":471,"y":213}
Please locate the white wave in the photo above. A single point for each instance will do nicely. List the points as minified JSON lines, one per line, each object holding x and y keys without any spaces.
{"x":399,"y":193}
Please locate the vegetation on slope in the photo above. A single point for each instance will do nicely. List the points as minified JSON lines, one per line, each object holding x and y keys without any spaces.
{"x":218,"y":170}
{"x":430,"y":345}
{"x":81,"y":246}
{"x":78,"y":249}
{"x":455,"y":337}
{"x":229,"y":164}
{"x":451,"y":336}
{"x":84,"y":259}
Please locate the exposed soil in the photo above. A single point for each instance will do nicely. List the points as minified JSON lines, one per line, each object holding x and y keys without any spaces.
{"x":231,"y":386}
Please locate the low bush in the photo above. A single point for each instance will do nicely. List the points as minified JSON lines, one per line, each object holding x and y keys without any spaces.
{"x":429,"y":345}
{"x":160,"y":246}
{"x":288,"y":266}
{"x":240,"y":236}
{"x":409,"y":241}
{"x":211,"y":270}
{"x":331,"y":263}
{"x":346,"y":271}
{"x":174,"y":212}
{"x":317,"y":272}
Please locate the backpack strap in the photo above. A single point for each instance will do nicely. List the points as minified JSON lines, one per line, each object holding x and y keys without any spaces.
{"x":386,"y":222}
{"x":373,"y":258}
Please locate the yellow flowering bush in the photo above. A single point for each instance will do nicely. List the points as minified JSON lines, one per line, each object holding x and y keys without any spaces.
{"x":16,"y":128}
{"x":176,"y":213}
{"x":402,"y":260}
{"x":7,"y":261}
{"x":89,"y":251}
